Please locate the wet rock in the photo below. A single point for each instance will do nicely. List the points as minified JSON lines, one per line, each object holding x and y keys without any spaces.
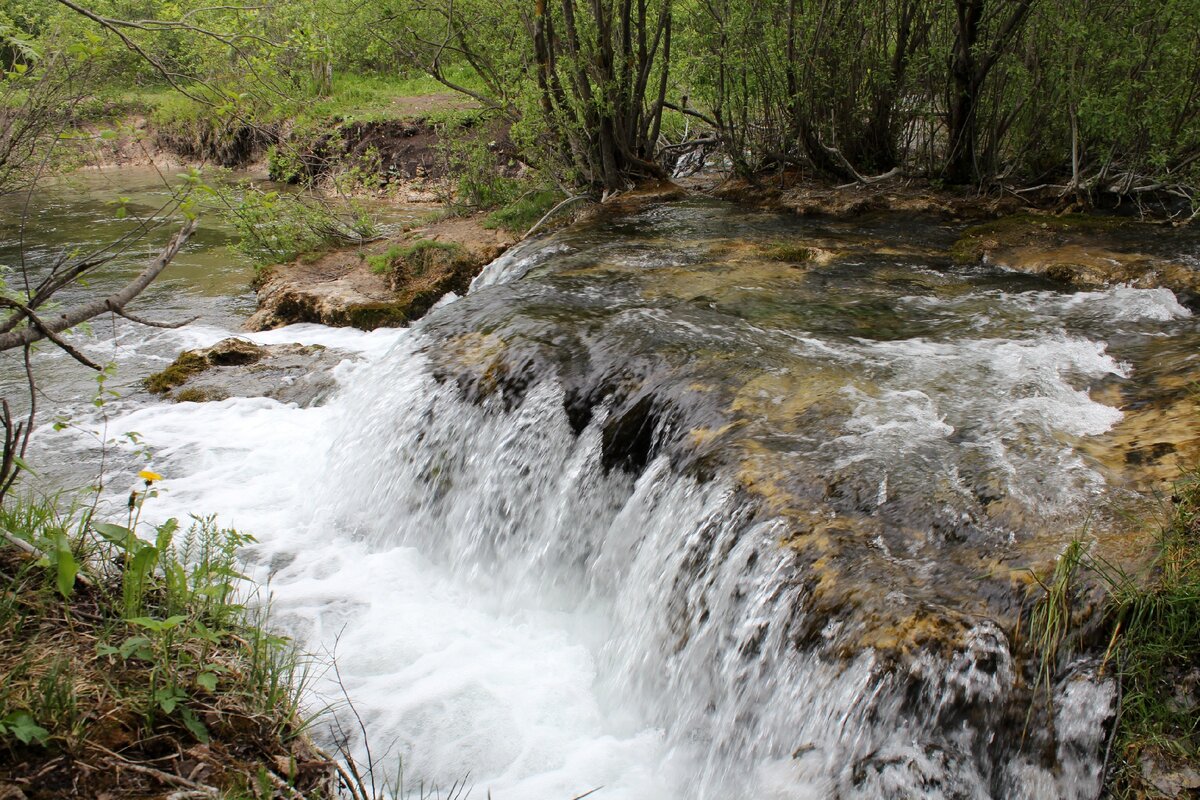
{"x":388,"y":284}
{"x":290,"y":373}
{"x":1085,"y":251}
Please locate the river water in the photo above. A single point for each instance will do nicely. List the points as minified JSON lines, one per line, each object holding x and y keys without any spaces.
{"x":662,"y":510}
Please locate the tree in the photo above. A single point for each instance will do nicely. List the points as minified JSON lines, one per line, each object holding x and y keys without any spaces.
{"x":594,"y":74}
{"x":973,"y":57}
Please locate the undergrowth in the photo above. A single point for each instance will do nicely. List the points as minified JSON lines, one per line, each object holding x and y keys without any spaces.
{"x":524,"y":212}
{"x":132,"y":666}
{"x":1156,"y":630}
{"x":415,"y":257}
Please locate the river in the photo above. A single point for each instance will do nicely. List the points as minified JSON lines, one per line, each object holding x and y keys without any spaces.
{"x":661,"y":508}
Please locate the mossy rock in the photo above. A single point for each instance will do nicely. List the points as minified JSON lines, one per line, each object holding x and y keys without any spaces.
{"x":384,"y":314}
{"x":188,"y":364}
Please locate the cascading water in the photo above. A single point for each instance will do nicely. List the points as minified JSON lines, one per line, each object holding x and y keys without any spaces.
{"x":650,"y":512}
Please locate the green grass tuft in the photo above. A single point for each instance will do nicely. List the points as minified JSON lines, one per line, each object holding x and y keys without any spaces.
{"x":524,"y":212}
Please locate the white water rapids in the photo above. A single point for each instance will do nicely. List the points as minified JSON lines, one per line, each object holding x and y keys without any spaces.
{"x":503,"y":609}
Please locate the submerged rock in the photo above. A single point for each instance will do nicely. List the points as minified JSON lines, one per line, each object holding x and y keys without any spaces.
{"x":1084,"y":251}
{"x":290,"y":373}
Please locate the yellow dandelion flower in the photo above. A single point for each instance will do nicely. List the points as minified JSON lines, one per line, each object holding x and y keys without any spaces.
{"x":149,"y":477}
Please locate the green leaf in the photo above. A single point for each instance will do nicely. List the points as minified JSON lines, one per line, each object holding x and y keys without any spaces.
{"x":67,"y":569}
{"x":193,"y":724}
{"x":166,"y":532}
{"x":22,"y":725}
{"x":23,"y":464}
{"x":207,"y":680}
{"x":136,"y":645}
{"x":119,"y":535}
{"x":169,"y":697}
{"x":149,"y":623}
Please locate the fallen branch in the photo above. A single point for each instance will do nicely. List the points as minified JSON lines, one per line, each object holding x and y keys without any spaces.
{"x":35,"y":553}
{"x":199,"y":789}
{"x":867,"y":180}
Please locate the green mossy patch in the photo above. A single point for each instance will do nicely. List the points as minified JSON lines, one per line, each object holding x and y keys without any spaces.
{"x":787,"y":252}
{"x":194,"y":395}
{"x":186,"y":366}
{"x":368,"y":316}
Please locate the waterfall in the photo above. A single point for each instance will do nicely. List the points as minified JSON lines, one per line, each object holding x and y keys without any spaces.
{"x":643,"y":513}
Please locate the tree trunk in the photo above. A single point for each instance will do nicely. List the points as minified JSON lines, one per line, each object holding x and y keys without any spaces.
{"x":964,"y":97}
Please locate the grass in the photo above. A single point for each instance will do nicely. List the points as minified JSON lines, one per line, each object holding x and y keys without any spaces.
{"x":1156,"y":634}
{"x":130,"y":666}
{"x":1153,"y":631}
{"x":413,"y":259}
{"x":524,"y":212}
{"x":354,"y":97}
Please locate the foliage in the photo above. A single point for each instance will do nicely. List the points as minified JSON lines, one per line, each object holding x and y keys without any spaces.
{"x":414,"y":259}
{"x":524,"y":212}
{"x":1156,"y":635}
{"x":480,"y":186}
{"x":109,"y":637}
{"x":276,"y":226}
{"x":1152,"y":624}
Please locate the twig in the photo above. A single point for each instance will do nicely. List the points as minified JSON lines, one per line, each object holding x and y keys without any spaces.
{"x":151,"y":323}
{"x":35,"y":553}
{"x":347,"y":781}
{"x":73,"y":317}
{"x":165,"y":777}
{"x":22,"y":544}
{"x":537,"y":226}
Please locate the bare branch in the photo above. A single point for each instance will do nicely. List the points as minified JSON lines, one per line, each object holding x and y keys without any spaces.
{"x":79,"y":314}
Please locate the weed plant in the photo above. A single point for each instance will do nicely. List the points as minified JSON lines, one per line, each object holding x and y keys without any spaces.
{"x":1152,"y":624}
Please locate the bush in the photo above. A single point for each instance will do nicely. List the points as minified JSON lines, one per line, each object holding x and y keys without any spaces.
{"x":275,"y":227}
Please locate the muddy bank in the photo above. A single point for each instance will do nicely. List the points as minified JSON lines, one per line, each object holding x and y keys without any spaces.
{"x":388,"y":283}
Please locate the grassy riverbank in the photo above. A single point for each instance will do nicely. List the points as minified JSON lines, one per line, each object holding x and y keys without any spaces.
{"x":1156,"y":644}
{"x":135,"y":669}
